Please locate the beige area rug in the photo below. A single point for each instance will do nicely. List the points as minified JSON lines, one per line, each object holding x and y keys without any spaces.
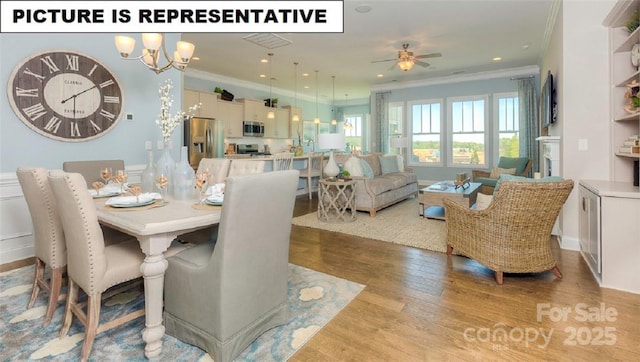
{"x":399,"y":224}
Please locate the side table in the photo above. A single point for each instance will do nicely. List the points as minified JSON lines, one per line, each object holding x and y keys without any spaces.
{"x":336,"y":201}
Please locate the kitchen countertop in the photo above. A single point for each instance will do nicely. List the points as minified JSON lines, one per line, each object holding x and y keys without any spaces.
{"x":263,"y":157}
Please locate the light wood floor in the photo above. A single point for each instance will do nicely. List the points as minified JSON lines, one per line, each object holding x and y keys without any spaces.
{"x":417,"y":306}
{"x":420,"y":305}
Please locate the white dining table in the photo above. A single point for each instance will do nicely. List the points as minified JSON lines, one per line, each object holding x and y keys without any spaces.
{"x":155,"y":228}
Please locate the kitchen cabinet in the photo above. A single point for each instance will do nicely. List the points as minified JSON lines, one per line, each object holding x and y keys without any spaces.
{"x":622,"y":72}
{"x":206,"y":100}
{"x":231,"y":113}
{"x":609,"y":229}
{"x":254,"y":110}
{"x":282,"y":124}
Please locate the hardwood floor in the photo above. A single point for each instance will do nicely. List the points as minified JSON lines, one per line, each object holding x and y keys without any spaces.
{"x":420,"y":305}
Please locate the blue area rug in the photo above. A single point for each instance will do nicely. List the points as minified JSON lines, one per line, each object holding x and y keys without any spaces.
{"x":315,"y":298}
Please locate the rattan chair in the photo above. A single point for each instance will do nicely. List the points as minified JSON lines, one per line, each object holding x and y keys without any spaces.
{"x":512,"y":235}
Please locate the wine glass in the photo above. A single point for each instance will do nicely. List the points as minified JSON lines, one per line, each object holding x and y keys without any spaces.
{"x":136,"y":190}
{"x":121,"y":178}
{"x":202,"y":178}
{"x":97,"y":185}
{"x":162,"y":182}
{"x":106,"y":173}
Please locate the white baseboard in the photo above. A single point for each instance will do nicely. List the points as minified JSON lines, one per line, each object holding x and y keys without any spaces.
{"x":569,"y":243}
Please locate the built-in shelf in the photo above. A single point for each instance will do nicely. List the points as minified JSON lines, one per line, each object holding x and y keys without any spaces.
{"x":628,"y":117}
{"x":630,"y":155}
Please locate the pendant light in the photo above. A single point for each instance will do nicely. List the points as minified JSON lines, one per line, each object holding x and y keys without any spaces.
{"x":346,"y":125}
{"x":271,"y":114}
{"x":334,"y":121}
{"x":295,"y":117}
{"x":317,"y":119}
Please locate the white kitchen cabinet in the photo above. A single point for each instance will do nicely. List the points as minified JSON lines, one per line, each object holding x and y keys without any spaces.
{"x":206,"y":100}
{"x":610,"y":232}
{"x":254,"y":110}
{"x":282,"y":124}
{"x":231,"y":113}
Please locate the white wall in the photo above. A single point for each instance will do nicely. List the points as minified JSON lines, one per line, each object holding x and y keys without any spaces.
{"x":578,"y":58}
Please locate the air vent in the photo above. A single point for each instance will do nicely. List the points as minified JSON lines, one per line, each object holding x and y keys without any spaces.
{"x":268,"y":40}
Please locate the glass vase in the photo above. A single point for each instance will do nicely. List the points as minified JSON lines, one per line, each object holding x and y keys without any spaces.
{"x":184,"y":178}
{"x":166,"y":165}
{"x":149,"y":174}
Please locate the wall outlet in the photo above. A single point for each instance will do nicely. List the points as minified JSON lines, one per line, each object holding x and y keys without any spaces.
{"x":583,"y":144}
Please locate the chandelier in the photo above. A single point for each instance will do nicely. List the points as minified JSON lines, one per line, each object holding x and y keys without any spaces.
{"x":346,"y":124}
{"x":296,"y":117}
{"x":406,"y":60}
{"x":154,"y":45}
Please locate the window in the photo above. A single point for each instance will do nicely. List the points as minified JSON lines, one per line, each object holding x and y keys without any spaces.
{"x":352,"y":127}
{"x":468,"y":136}
{"x":508,"y":135}
{"x":396,"y":110}
{"x":426,"y":132}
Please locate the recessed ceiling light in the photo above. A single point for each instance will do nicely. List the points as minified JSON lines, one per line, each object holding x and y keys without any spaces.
{"x":497,"y":59}
{"x":305,"y":74}
{"x":264,"y":60}
{"x":364,"y":8}
{"x":380,"y":75}
{"x":195,"y":58}
{"x":262,"y":76}
{"x":306,"y":87}
{"x":525,"y":47}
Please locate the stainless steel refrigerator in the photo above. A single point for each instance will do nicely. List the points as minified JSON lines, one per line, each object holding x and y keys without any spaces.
{"x":204,"y":138}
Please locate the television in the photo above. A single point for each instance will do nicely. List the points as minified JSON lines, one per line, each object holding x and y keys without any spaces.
{"x":548,"y":102}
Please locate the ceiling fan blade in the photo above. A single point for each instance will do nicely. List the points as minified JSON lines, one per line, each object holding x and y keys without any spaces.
{"x":394,"y":66}
{"x":386,"y":60}
{"x":432,"y":55}
{"x":422,"y":64}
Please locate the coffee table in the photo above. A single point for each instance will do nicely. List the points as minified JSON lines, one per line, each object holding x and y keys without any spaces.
{"x":430,"y":197}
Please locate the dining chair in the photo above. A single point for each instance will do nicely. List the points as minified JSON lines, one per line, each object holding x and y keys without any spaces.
{"x":283,"y":161}
{"x":313,"y":170}
{"x":90,"y":170}
{"x":218,"y":169}
{"x":245,"y":167}
{"x":49,"y":242}
{"x":91,"y":265}
{"x":222,"y":297}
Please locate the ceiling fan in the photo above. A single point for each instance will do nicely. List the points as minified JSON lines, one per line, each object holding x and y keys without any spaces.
{"x":406,"y":59}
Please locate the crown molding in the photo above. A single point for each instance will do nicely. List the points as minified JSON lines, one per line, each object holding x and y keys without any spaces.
{"x":459,"y":78}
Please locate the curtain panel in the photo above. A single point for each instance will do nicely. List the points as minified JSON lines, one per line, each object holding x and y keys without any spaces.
{"x":381,"y":122}
{"x":529,"y":127}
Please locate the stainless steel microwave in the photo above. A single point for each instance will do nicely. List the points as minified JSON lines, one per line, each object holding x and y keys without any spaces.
{"x":252,"y":129}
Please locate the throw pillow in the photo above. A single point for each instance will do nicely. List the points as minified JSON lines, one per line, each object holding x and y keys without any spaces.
{"x":524,"y":179}
{"x":496,"y":172}
{"x":374,"y":162}
{"x":483,"y":201}
{"x":366,"y":169}
{"x":388,"y":164}
{"x":353,"y":166}
{"x":400,"y":162}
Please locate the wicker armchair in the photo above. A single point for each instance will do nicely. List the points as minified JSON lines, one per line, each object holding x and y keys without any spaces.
{"x":512,"y":234}
{"x":521,"y":164}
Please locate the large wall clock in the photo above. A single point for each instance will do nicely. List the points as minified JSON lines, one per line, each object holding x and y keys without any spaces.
{"x":65,"y":95}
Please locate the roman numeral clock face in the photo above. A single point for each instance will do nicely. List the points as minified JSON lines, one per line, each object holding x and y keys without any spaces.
{"x":65,"y":95}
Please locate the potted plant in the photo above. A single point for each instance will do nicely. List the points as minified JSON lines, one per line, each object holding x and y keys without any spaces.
{"x":218,"y":90}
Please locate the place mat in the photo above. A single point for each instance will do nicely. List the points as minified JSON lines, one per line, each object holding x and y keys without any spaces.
{"x":157,"y":203}
{"x":205,"y":207}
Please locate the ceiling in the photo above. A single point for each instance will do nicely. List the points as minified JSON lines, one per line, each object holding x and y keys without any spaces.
{"x":468,"y":33}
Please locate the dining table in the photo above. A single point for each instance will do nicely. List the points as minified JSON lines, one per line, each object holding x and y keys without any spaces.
{"x":155,"y":228}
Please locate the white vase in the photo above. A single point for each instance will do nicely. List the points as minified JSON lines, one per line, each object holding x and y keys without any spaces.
{"x":331,"y":168}
{"x":184,"y":178}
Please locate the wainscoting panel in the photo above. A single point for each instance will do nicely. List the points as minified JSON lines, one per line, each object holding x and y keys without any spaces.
{"x":16,"y":229}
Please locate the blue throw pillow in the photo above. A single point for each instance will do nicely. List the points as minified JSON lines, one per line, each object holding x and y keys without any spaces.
{"x":389,"y":164}
{"x":367,"y":171}
{"x":505,"y":177}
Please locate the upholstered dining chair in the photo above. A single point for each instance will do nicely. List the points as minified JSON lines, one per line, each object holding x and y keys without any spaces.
{"x":50,"y":247}
{"x":90,"y":170}
{"x":240,"y":167}
{"x":218,"y":169}
{"x":221,"y":297}
{"x":518,"y":166}
{"x":512,"y":235}
{"x":91,"y":265}
{"x":283,"y":161}
{"x":313,"y":170}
